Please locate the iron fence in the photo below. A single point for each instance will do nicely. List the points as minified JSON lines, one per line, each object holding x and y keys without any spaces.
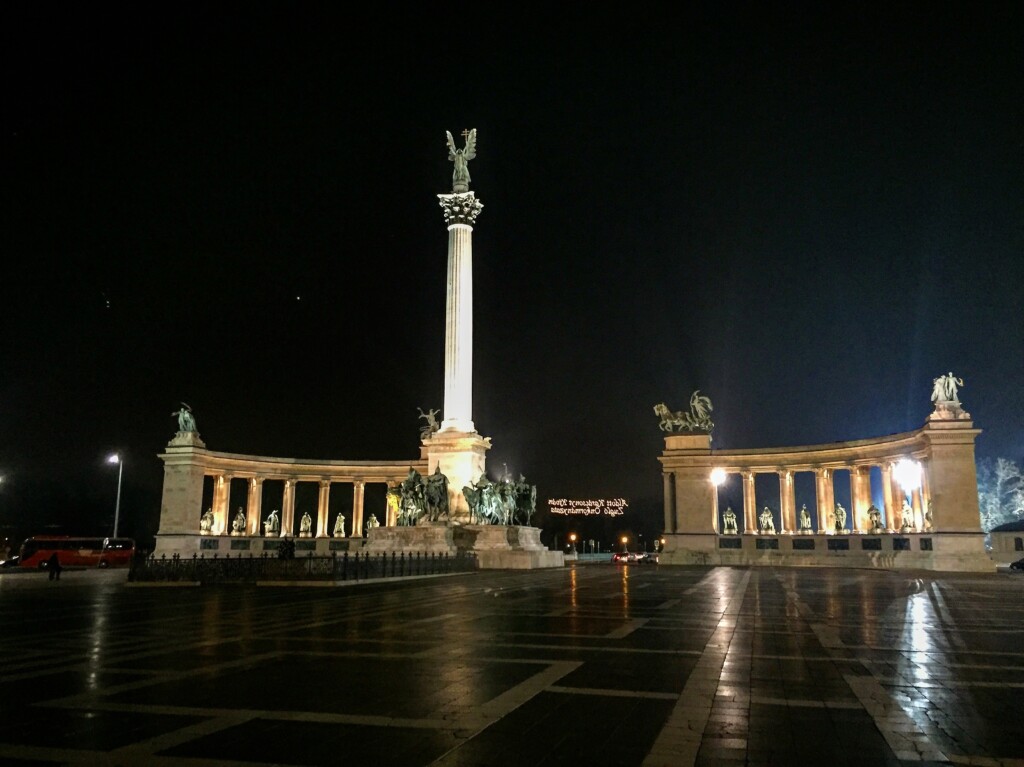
{"x":343,"y":567}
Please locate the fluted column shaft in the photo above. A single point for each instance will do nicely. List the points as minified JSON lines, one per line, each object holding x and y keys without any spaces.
{"x":221,"y":491}
{"x":749,"y":503}
{"x":254,"y":505}
{"x":358,"y":487}
{"x":323,"y":501}
{"x":787,"y":502}
{"x":458,"y":341}
{"x":888,"y":499}
{"x":823,"y":497}
{"x":288,"y":509}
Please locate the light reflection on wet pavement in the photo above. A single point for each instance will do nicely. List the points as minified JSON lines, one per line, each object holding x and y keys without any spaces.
{"x":593,"y":664}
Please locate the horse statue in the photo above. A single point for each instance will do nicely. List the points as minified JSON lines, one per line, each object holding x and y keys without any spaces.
{"x":413,"y":503}
{"x":669,"y":420}
{"x":482,"y":501}
{"x":698,"y":419}
{"x":526,"y":501}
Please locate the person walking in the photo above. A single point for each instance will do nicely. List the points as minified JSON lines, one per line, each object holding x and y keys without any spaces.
{"x":53,"y":565}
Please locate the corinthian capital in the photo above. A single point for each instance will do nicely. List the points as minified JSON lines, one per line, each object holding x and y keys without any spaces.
{"x":460,"y":208}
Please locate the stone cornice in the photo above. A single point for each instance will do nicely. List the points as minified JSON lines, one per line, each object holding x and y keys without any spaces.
{"x":835,"y":455}
{"x":296,"y":469}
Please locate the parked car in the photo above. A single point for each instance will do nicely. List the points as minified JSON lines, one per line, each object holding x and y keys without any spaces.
{"x":12,"y":562}
{"x":1018,"y":565}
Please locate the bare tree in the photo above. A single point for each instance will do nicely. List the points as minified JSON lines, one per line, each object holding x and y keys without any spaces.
{"x":1000,"y":492}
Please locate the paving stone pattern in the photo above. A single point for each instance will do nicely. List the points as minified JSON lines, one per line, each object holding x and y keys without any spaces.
{"x":595,"y":664}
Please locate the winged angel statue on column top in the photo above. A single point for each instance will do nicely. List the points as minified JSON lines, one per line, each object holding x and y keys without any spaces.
{"x":461,"y":158}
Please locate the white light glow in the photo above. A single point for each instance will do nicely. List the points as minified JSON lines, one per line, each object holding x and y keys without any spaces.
{"x":115,"y":458}
{"x":718,"y":476}
{"x":908,"y":474}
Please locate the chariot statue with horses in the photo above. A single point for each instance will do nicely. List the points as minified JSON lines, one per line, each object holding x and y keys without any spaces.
{"x":504,"y":502}
{"x":698,"y":419}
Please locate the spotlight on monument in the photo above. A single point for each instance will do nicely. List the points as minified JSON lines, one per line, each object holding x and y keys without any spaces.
{"x":908,"y":474}
{"x":718,"y":476}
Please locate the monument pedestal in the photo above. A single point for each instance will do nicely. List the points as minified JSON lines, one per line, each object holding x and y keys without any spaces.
{"x":514,"y":547}
{"x":496,"y":547}
{"x":425,"y":539}
{"x":460,"y":456}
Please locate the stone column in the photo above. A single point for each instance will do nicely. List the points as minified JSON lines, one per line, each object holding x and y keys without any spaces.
{"x":860,"y":497}
{"x":926,"y":495}
{"x":357,"y":508}
{"x":460,"y":212}
{"x":749,"y":503}
{"x":221,"y":491}
{"x":390,"y":513}
{"x":822,"y":497}
{"x":787,"y":501}
{"x":254,"y":506}
{"x":288,"y":509}
{"x":670,"y":504}
{"x":915,"y":504}
{"x":888,"y":499}
{"x":714,"y":509}
{"x":322,"y":510}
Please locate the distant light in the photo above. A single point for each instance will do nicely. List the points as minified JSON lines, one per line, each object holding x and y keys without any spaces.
{"x":718,"y":476}
{"x":908,"y":474}
{"x":115,"y":458}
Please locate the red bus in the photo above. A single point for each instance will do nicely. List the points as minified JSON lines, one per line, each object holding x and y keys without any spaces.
{"x":77,"y":552}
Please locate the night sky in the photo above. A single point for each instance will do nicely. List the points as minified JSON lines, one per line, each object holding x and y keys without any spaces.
{"x":806,"y":218}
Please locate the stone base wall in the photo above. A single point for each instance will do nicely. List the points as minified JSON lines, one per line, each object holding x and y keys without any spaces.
{"x":427,"y":539}
{"x":922,"y":551}
{"x":186,"y":546}
{"x":497,"y":547}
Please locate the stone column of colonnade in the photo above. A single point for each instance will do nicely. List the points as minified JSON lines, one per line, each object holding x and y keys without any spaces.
{"x":322,"y":510}
{"x":288,"y":509}
{"x":860,"y":498}
{"x":888,"y":497}
{"x":254,"y":503}
{"x":749,"y":503}
{"x":221,"y":491}
{"x":824,"y":497}
{"x":358,"y":488}
{"x":390,"y":513}
{"x":787,"y":502}
{"x":925,"y":491}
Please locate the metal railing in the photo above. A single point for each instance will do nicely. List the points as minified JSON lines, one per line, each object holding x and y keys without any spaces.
{"x":343,"y":567}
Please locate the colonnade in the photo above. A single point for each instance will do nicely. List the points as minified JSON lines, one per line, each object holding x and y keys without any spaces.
{"x":943,"y":495}
{"x":188,"y":464}
{"x":861,"y":496}
{"x":254,"y":516}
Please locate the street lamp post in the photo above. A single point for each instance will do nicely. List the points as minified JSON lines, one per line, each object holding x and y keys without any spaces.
{"x":625,"y":540}
{"x":115,"y":458}
{"x":572,"y":537}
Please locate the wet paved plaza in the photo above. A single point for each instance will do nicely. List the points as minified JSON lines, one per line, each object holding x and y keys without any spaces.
{"x":594,"y":664}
